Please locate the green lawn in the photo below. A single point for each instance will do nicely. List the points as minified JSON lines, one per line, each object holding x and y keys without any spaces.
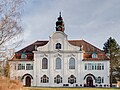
{"x":73,"y":88}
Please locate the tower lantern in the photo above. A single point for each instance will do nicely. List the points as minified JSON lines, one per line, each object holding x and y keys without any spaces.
{"x":60,"y":24}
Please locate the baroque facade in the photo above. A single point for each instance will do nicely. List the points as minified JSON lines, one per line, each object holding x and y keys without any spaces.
{"x":60,"y":62}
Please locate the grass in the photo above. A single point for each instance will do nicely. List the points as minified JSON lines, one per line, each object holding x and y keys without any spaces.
{"x":31,"y":88}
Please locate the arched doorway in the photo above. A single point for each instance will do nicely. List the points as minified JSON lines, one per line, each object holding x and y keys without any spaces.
{"x":27,"y":81}
{"x":89,"y":81}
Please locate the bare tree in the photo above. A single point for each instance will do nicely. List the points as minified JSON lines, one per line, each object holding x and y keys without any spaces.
{"x":10,"y":26}
{"x":10,"y":13}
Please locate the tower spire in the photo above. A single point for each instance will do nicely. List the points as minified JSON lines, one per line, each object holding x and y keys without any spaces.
{"x":59,"y":14}
{"x":60,"y":23}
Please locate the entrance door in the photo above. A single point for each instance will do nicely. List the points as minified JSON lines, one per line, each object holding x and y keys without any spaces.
{"x":89,"y":81}
{"x":28,"y":81}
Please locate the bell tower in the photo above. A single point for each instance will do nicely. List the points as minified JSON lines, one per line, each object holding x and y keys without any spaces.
{"x":60,"y":24}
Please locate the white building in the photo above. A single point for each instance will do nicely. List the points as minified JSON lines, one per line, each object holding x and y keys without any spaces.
{"x":60,"y":62}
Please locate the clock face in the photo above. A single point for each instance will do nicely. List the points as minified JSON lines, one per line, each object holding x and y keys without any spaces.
{"x":59,"y":28}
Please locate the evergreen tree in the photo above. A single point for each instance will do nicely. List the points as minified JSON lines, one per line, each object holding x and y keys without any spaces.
{"x":112,"y":49}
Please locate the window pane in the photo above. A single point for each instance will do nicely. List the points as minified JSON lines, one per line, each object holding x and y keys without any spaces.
{"x":89,"y":66}
{"x":44,"y":63}
{"x":92,"y":66}
{"x":44,"y":79}
{"x":102,"y":66}
{"x":102,"y":79}
{"x":94,"y":55}
{"x":23,"y":56}
{"x":29,"y":67}
{"x":58,"y":46}
{"x":99,"y":66}
{"x":72,"y":79}
{"x":58,"y":63}
{"x":85,"y":66}
{"x":99,"y":80}
{"x":72,"y":63}
{"x":58,"y":79}
{"x":21,"y":66}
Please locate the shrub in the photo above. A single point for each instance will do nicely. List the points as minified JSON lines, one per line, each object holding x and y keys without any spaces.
{"x":7,"y":84}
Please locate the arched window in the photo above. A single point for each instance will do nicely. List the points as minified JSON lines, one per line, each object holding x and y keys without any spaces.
{"x":72,"y":63}
{"x":58,"y":79}
{"x":44,"y":63}
{"x":72,"y":79}
{"x":58,"y":46}
{"x":19,"y":78}
{"x":58,"y":63}
{"x":99,"y":79}
{"x":44,"y":79}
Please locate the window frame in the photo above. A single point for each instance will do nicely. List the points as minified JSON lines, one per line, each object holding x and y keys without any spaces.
{"x":29,"y":66}
{"x":58,"y":46}
{"x":58,"y":79}
{"x":23,"y":56}
{"x":72,"y":79}
{"x":72,"y":63}
{"x":58,"y":63}
{"x":21,"y":66}
{"x":94,"y":55}
{"x":44,"y":79}
{"x":44,"y":63}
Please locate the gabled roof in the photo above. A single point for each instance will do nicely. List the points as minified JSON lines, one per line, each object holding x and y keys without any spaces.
{"x":30,"y":48}
{"x":87,"y":47}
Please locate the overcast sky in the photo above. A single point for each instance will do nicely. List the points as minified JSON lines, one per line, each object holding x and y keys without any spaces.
{"x":91,"y":20}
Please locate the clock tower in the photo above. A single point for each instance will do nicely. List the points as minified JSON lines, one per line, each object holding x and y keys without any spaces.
{"x":60,"y":24}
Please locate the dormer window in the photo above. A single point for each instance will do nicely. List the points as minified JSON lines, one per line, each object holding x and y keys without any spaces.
{"x":23,"y":56}
{"x":58,"y":46}
{"x":94,"y":55}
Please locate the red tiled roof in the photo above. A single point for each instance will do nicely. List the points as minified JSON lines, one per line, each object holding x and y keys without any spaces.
{"x":31,"y":48}
{"x":87,"y":47}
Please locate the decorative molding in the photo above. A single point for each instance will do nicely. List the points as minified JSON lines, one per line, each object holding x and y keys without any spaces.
{"x":71,"y":55}
{"x":58,"y":55}
{"x":44,"y":55}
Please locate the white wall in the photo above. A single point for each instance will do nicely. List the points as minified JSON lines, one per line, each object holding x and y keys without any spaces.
{"x":15,"y":73}
{"x":65,"y":53}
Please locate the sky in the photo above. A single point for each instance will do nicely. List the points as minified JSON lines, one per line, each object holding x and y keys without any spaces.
{"x":91,"y":20}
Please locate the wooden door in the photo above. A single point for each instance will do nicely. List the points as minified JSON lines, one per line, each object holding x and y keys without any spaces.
{"x":89,"y":81}
{"x":28,"y":81}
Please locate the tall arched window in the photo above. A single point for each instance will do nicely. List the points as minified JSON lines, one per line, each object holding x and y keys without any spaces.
{"x":72,"y":79}
{"x":58,"y":79}
{"x":72,"y":63}
{"x":44,"y":63}
{"x":44,"y":79}
{"x":58,"y":46}
{"x":58,"y":63}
